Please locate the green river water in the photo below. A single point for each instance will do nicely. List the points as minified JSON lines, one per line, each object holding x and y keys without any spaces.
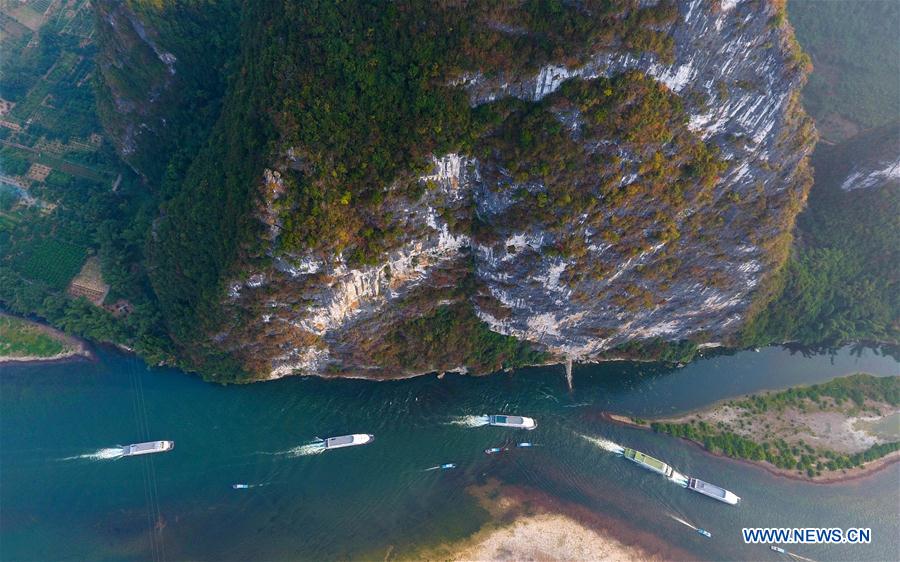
{"x":60,"y":500}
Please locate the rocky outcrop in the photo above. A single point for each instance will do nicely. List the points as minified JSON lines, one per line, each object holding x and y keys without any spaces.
{"x":737,"y":72}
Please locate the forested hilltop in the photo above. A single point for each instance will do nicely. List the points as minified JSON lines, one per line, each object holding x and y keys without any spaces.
{"x":360,"y":189}
{"x":391,"y":169}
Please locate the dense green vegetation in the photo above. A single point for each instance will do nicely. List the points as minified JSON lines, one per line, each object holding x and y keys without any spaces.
{"x":841,"y":282}
{"x":855,"y":388}
{"x":364,"y":97}
{"x":42,"y":81}
{"x":360,"y":93}
{"x":656,"y":349}
{"x":847,"y":394}
{"x":203,"y":36}
{"x":453,"y":336}
{"x":49,"y":260}
{"x":803,"y":458}
{"x":855,"y":52}
{"x":20,"y":338}
{"x":47,"y":229}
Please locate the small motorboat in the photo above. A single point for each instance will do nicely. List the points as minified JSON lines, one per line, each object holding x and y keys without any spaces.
{"x":524,"y":445}
{"x":494,"y":450}
{"x":778,"y":549}
{"x":705,"y":533}
{"x":240,"y":486}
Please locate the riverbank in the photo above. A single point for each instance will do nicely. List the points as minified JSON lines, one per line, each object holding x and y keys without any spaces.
{"x":840,"y":430}
{"x":24,"y":341}
{"x":527,"y":525}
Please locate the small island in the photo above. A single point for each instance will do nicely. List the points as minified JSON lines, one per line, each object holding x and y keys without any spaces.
{"x":824,"y":432}
{"x":25,"y":341}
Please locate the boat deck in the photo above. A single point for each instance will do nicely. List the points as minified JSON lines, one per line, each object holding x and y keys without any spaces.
{"x":707,"y":488}
{"x":640,"y":457}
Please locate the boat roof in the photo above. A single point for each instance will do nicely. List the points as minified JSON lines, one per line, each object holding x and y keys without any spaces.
{"x":648,"y":460}
{"x":149,"y":446}
{"x":708,"y":488}
{"x":341,"y":440}
{"x":518,"y":420}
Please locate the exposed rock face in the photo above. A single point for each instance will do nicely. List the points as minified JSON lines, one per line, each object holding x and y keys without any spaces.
{"x":736,"y":62}
{"x":863,"y":179}
{"x":573,"y":284}
{"x":314,"y":314}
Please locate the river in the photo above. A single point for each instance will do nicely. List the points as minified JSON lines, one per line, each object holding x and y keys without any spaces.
{"x":60,"y":500}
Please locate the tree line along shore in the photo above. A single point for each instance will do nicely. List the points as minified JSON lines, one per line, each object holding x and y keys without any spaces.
{"x":822,"y":432}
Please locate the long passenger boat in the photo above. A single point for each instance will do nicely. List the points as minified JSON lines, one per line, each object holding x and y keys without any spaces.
{"x":648,"y":462}
{"x":713,"y":491}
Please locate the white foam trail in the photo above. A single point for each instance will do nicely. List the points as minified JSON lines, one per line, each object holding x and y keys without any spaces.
{"x":470,"y":421}
{"x":432,"y":468}
{"x":679,"y":478}
{"x":311,"y":448}
{"x":797,"y":556}
{"x":682,"y":521}
{"x":605,"y":444}
{"x":305,"y":450}
{"x":101,"y":455}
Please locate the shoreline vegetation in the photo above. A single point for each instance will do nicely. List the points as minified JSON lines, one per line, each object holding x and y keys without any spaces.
{"x":26,"y":341}
{"x":526,"y":524}
{"x":831,"y":432}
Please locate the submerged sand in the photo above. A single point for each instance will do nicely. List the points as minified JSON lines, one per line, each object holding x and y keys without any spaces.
{"x":547,"y":537}
{"x":529,"y":526}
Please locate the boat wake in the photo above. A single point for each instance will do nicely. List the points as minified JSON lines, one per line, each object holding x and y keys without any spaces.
{"x":110,"y":453}
{"x":470,"y":421}
{"x":682,"y":521}
{"x":313,"y":448}
{"x":605,"y":444}
{"x":305,"y":450}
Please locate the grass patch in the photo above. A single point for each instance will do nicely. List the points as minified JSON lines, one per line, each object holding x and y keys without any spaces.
{"x":20,"y":338}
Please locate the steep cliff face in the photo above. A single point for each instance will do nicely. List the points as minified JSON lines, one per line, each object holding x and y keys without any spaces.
{"x":642,"y":188}
{"x":161,"y":64}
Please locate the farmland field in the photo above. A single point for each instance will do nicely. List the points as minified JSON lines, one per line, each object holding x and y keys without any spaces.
{"x":40,"y":6}
{"x":27,"y":17}
{"x":8,"y":222}
{"x":48,"y":260}
{"x":10,"y":29}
